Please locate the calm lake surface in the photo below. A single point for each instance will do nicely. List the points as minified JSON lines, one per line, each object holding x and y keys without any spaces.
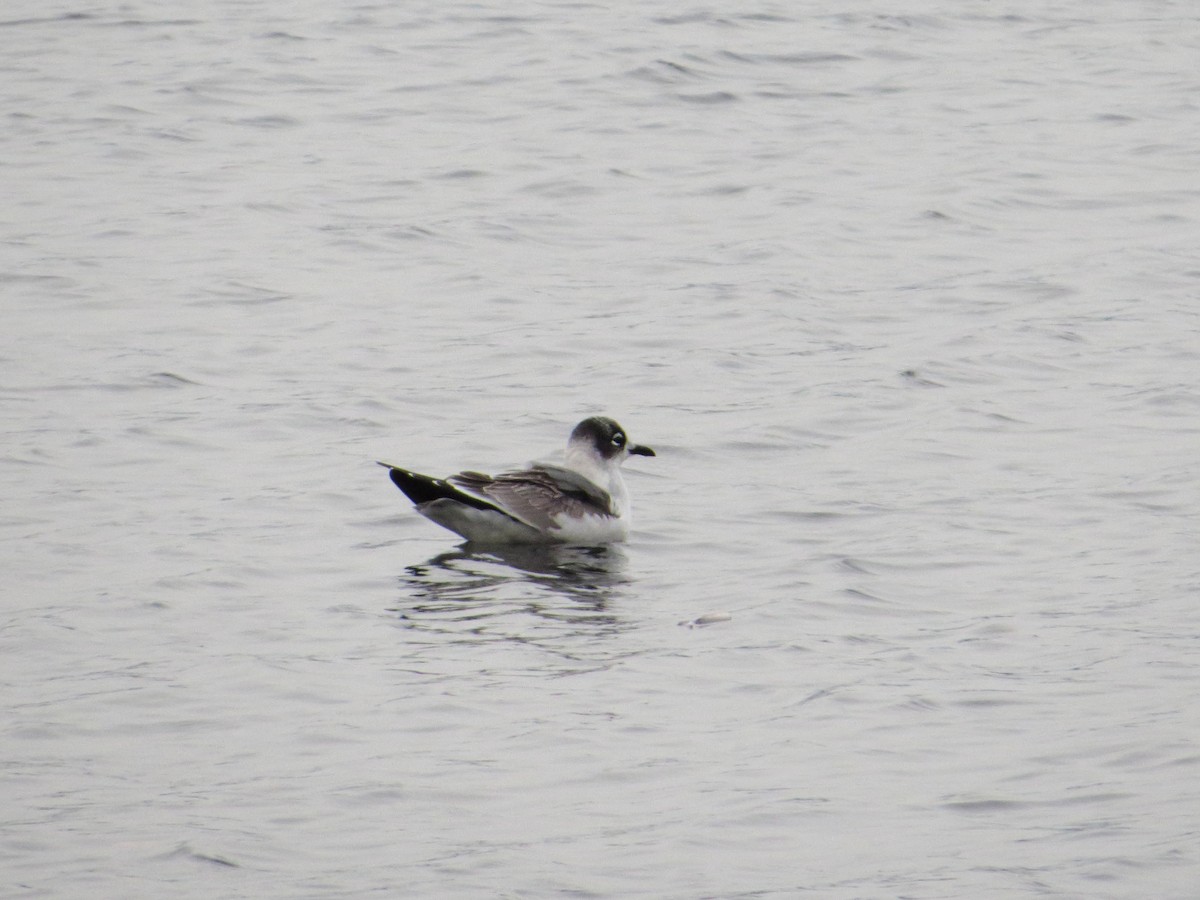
{"x":909,"y":306}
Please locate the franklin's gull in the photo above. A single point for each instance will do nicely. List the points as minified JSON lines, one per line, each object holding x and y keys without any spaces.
{"x":583,"y":501}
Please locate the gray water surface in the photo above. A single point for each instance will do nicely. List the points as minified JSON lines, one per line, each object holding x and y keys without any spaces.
{"x":906,"y":303}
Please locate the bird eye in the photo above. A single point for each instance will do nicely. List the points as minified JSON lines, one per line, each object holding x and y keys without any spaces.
{"x":618,"y":440}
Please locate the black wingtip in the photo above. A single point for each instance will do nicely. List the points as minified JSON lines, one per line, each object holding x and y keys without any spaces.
{"x":418,"y":488}
{"x":424,"y":488}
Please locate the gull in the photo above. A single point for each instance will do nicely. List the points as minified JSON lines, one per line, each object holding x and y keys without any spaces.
{"x":583,"y":501}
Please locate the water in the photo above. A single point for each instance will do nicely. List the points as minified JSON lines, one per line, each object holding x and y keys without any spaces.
{"x":906,"y":304}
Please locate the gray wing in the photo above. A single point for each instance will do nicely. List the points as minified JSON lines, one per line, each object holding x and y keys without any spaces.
{"x":539,"y":495}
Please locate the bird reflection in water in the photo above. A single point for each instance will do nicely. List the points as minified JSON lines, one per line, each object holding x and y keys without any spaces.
{"x":478,"y":589}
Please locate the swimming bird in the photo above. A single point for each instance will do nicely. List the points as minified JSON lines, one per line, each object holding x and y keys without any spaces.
{"x":583,"y":501}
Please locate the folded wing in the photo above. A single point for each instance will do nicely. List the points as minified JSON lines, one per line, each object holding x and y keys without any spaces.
{"x":543,"y":496}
